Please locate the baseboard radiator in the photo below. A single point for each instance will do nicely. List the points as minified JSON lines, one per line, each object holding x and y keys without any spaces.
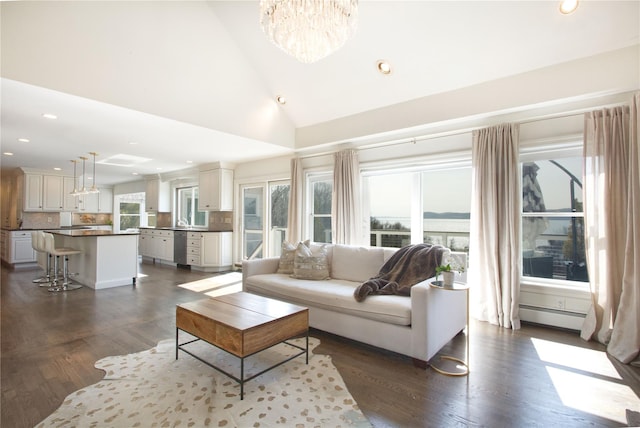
{"x":552,"y":317}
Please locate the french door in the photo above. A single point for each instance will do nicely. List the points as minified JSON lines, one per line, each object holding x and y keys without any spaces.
{"x":264,"y":211}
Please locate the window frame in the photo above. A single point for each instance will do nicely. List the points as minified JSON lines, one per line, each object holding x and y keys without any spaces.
{"x":311,"y":180}
{"x":545,"y":153}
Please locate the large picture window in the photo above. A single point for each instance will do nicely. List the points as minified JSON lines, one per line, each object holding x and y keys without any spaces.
{"x":389,"y":203}
{"x":430,"y":205}
{"x":446,"y":199}
{"x":552,"y":219}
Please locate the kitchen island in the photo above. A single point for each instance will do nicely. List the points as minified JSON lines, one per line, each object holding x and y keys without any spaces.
{"x":107,"y":260}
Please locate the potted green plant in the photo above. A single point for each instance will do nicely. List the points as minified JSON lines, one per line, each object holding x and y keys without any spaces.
{"x":448,"y":272}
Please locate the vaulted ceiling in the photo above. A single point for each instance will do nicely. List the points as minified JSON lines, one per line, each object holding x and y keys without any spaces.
{"x":196,"y":81}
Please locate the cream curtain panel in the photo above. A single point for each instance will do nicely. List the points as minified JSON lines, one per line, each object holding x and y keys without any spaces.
{"x":294,"y":229}
{"x":612,"y":229}
{"x":345,"y":201}
{"x":494,"y":257}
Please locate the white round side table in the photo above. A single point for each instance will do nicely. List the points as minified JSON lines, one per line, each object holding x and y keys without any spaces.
{"x":457,"y":286}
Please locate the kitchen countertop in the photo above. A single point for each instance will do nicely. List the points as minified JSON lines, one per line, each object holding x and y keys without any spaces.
{"x":186,"y":229}
{"x":29,"y":229}
{"x":89,"y":232}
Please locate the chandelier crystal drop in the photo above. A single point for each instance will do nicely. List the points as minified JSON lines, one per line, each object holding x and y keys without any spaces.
{"x":309,"y":30}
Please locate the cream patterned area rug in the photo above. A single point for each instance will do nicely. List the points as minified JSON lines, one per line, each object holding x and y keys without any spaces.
{"x":153,"y":389}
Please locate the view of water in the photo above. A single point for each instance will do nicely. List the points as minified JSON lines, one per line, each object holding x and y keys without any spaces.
{"x":555,"y":225}
{"x":432,"y":224}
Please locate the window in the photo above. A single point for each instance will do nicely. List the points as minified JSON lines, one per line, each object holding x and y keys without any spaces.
{"x":320,"y":188}
{"x":279,"y":216}
{"x":446,"y":196}
{"x":264,"y":225}
{"x":389,"y":203}
{"x":130,"y":210}
{"x":552,"y":219}
{"x":187,"y":213}
{"x":253,"y":222}
{"x":422,"y":205}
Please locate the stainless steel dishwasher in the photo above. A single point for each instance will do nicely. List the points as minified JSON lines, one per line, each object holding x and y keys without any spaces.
{"x":180,"y":247}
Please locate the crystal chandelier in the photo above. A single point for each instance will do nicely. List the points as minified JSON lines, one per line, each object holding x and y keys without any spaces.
{"x":309,"y":30}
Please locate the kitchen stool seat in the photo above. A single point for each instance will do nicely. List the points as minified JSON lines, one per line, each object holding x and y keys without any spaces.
{"x":56,"y":284}
{"x":37,"y":242}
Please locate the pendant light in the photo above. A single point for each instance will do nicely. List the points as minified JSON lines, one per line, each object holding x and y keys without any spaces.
{"x":93,"y":188}
{"x":74,"y":192}
{"x":83,"y":191}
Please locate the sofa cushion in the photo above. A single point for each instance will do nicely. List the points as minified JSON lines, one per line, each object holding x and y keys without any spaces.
{"x":310,"y":263}
{"x":335,"y":295}
{"x":287,"y":255}
{"x":356,"y":263}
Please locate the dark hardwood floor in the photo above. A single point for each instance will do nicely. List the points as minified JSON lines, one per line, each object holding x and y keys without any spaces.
{"x":531,"y":377}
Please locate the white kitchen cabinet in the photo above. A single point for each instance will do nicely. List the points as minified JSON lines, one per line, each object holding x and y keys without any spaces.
{"x":70,"y":202}
{"x":216,"y":190}
{"x":144,"y":243}
{"x":33,"y":192}
{"x":209,"y":251}
{"x":156,"y":244}
{"x":101,"y":202}
{"x":52,"y":193}
{"x":157,"y":196}
{"x":105,"y":200}
{"x":88,"y":203}
{"x":45,"y":192}
{"x":20,"y":248}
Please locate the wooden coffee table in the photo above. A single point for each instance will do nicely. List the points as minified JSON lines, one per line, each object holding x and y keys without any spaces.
{"x":242,"y":324}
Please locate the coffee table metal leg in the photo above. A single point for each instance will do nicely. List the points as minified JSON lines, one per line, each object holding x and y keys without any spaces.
{"x":242,"y":378}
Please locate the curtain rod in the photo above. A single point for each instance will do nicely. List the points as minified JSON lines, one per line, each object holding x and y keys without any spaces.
{"x":426,"y":137}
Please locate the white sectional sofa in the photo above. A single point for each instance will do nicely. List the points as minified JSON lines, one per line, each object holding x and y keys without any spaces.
{"x":417,"y":326}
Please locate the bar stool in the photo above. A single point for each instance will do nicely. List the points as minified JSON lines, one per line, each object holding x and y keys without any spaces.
{"x":50,"y":247}
{"x":37,"y":243}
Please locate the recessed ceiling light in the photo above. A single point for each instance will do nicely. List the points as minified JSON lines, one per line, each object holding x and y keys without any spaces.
{"x":158,"y":168}
{"x":133,"y":143}
{"x":49,"y":116}
{"x":281,"y":99}
{"x":383,"y":66}
{"x":8,"y":153}
{"x":23,"y":140}
{"x":57,"y":169}
{"x":568,"y":6}
{"x":134,"y":173}
{"x":189,"y":161}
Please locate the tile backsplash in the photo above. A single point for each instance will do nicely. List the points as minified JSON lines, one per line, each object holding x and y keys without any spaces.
{"x":221,"y":221}
{"x":52,"y":220}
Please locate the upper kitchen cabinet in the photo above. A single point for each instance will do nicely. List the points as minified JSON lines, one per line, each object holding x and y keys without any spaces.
{"x":95,"y":203}
{"x":43,"y":192}
{"x":157,"y":198}
{"x":33,"y":192}
{"x":216,"y":189}
{"x":70,"y":202}
{"x":52,"y":194}
{"x":105,"y":201}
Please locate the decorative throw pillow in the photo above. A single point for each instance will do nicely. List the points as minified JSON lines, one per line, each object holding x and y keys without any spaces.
{"x":287,"y":255}
{"x":310,"y":263}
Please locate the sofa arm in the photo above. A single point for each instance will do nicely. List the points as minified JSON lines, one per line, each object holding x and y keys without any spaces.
{"x":259,"y":267}
{"x":436,"y":317}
